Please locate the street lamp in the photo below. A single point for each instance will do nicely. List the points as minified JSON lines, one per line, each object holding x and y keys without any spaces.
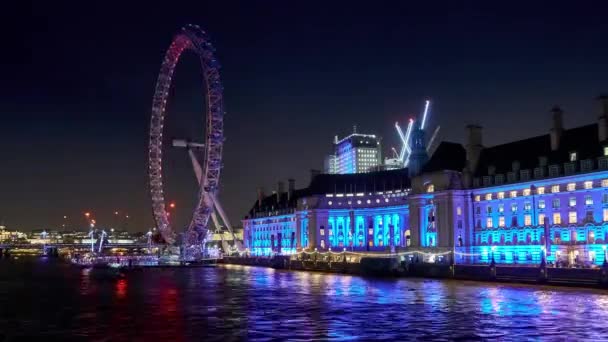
{"x":493,"y":262}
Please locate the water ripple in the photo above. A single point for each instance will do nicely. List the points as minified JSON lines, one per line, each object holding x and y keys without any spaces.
{"x":236,"y":303}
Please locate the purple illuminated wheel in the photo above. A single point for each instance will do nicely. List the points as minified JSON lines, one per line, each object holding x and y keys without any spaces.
{"x":194,"y":39}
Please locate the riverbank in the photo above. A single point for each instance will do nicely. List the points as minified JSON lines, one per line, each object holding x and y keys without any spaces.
{"x":391,"y":267}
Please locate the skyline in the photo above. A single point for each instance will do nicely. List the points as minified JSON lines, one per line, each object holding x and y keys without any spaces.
{"x":79,"y":110}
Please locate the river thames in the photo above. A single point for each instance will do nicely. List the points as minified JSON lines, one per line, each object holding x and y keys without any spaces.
{"x":46,"y":299}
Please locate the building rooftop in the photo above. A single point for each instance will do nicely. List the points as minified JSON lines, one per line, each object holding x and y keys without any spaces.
{"x":582,"y":140}
{"x":336,"y":183}
{"x":447,"y":156}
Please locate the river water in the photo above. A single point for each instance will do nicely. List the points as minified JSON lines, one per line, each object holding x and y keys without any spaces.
{"x":45,"y":299}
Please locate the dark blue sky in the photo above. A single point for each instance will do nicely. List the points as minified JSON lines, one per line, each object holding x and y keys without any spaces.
{"x":78,"y":79}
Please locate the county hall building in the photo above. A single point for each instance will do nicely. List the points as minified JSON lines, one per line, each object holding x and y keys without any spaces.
{"x":515,"y":203}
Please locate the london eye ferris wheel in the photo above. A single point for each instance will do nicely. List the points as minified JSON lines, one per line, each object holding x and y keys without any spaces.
{"x":207,"y":168}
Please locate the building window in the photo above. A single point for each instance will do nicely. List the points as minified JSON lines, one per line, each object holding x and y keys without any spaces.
{"x":588,"y":184}
{"x":540,"y":190}
{"x":569,"y":168}
{"x":572,"y":217}
{"x":572,"y":156}
{"x":605,"y":214}
{"x":477,"y":198}
{"x":514,"y":221}
{"x":541,"y":218}
{"x":322,"y":232}
{"x":571,"y":186}
{"x":527,"y":206}
{"x":541,"y":204}
{"x":478,"y":210}
{"x":513,"y":194}
{"x":586,"y":165}
{"x":486,"y":180}
{"x":499,"y":179}
{"x":606,"y":150}
{"x":488,"y":197}
{"x":458,"y":211}
{"x":526,"y":192}
{"x":555,"y":189}
{"x":501,"y":208}
{"x":511,"y":177}
{"x":513,"y":207}
{"x":553,"y":170}
{"x":557,"y":218}
{"x":369,"y":231}
{"x":489,"y":222}
{"x":572,"y":202}
{"x":604,"y":183}
{"x":430,"y":188}
{"x":589,"y":217}
{"x":489,"y":209}
{"x":500,"y":195}
{"x":556,"y":203}
{"x":605,"y":198}
{"x":588,"y":200}
{"x":501,"y":221}
{"x":527,"y":220}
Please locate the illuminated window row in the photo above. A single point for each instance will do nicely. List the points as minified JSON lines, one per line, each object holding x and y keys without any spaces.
{"x":386,"y":200}
{"x":539,"y":190}
{"x":556,"y":217}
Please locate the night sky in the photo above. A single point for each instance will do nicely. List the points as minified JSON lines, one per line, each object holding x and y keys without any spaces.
{"x":77,"y":84}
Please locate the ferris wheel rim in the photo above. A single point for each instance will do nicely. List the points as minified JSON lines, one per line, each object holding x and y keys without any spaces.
{"x":191,"y":37}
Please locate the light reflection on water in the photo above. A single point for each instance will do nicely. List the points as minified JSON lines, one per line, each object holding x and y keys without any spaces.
{"x":259,"y":304}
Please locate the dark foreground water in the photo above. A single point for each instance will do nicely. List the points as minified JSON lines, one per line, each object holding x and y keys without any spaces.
{"x":47,"y":300}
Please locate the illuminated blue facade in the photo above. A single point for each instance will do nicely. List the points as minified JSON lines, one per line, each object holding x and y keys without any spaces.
{"x":541,"y":199}
{"x":273,"y":234}
{"x":355,"y":222}
{"x":566,"y":218}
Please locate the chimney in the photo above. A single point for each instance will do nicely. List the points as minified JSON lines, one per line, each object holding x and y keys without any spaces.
{"x":260,"y":197}
{"x":557,"y":128}
{"x":291,"y":188}
{"x":602,"y":122}
{"x":280,"y":190}
{"x":473,"y":146}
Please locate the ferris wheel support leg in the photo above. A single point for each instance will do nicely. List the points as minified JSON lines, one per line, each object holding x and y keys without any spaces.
{"x":220,"y":210}
{"x":198,"y":170}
